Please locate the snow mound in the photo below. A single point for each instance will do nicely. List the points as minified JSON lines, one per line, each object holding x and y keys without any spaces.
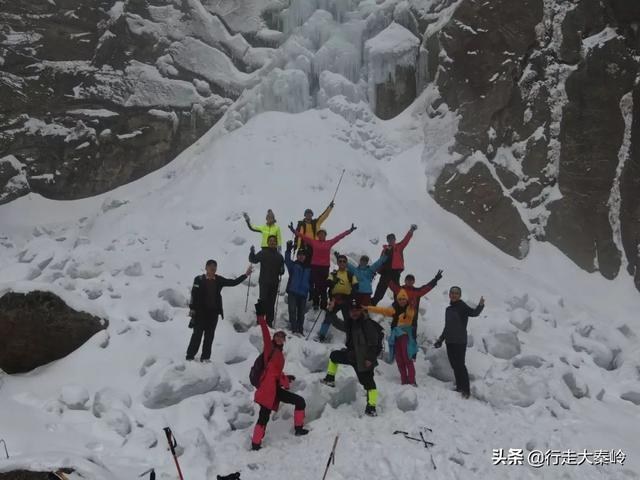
{"x":504,"y":345}
{"x":407,"y":400}
{"x":74,"y":397}
{"x":175,"y":383}
{"x":110,"y":398}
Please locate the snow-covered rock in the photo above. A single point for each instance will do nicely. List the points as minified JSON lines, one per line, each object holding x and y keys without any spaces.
{"x":521,"y":319}
{"x":118,"y":421}
{"x":502,"y":344}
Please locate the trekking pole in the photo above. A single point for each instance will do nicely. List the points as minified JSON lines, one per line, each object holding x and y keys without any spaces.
{"x":173,"y":443}
{"x":314,"y":324}
{"x":275,"y":314}
{"x":332,"y":457}
{"x":339,"y":182}
{"x":6,"y":452}
{"x":246,"y":303}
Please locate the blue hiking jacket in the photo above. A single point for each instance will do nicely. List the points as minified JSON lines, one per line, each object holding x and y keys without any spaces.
{"x":299,"y":276}
{"x":365,"y":274}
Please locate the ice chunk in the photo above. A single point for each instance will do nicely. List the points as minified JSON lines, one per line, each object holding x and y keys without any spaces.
{"x":334,"y":84}
{"x":109,"y":398}
{"x":407,"y":400}
{"x":521,"y":319}
{"x":528,"y":361}
{"x":633,"y":397}
{"x":173,"y":384}
{"x":602,"y":355}
{"x":134,"y":270}
{"x":502,"y":344}
{"x":439,"y":366}
{"x":578,"y":388}
{"x":314,"y":357}
{"x":118,"y":421}
{"x":74,"y":397}
{"x":173,"y":297}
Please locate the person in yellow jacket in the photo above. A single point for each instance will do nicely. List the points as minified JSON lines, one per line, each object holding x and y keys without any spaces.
{"x":268,"y":230}
{"x":343,"y":285}
{"x":402,"y":344}
{"x":309,"y":227}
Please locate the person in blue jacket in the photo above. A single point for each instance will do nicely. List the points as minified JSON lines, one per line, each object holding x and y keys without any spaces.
{"x":364,"y":273}
{"x":297,"y":287}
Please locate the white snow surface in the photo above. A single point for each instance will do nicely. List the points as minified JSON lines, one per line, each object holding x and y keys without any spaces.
{"x":553,"y":359}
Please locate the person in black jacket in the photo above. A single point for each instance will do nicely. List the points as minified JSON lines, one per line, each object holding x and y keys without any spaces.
{"x":205,"y":306}
{"x":271,"y":268}
{"x":363,"y":345}
{"x":455,"y":335}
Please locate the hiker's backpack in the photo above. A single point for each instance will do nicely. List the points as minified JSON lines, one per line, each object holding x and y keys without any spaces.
{"x":258,"y":369}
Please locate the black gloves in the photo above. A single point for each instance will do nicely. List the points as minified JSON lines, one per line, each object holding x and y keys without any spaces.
{"x":336,"y":254}
{"x":438,"y":276}
{"x":438,"y":343}
{"x":259,"y":310}
{"x":414,"y":227}
{"x":353,"y":227}
{"x":289,"y":244}
{"x":332,"y":204}
{"x":291,"y":378}
{"x":291,"y":227}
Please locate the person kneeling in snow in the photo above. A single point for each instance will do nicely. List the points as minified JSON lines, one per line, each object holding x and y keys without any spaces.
{"x":363,"y":345}
{"x":402,"y":343}
{"x":455,"y":335}
{"x":274,"y":384}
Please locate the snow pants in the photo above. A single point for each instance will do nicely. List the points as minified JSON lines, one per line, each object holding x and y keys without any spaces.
{"x":268,"y":298}
{"x":205,"y":324}
{"x":341,"y":357}
{"x":456,"y":353}
{"x":383,"y":284}
{"x":284,"y":396}
{"x":319,"y":285}
{"x":297,"y":305}
{"x":405,"y":364}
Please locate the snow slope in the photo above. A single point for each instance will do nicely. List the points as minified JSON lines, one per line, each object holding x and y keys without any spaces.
{"x":130,"y":255}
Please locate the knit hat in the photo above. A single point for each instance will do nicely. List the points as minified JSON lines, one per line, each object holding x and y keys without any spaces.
{"x":402,"y":294}
{"x":354,"y":304}
{"x":270,"y":212}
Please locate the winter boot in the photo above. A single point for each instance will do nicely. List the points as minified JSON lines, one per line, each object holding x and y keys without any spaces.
{"x":465,"y":394}
{"x":371,"y":411}
{"x":300,"y":431}
{"x":256,"y":446}
{"x":329,"y":380}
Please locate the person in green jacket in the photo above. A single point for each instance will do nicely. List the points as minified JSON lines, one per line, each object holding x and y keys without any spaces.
{"x":271,"y":228}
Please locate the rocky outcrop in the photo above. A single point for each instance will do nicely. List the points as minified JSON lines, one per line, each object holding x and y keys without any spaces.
{"x":547,"y":141}
{"x":38,"y":327}
{"x":94,"y":94}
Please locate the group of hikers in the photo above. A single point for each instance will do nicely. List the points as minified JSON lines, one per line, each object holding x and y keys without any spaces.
{"x":348,"y":291}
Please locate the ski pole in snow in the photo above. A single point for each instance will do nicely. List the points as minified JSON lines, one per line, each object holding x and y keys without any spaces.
{"x":314,"y":324}
{"x":246,"y":304}
{"x":6,"y":452}
{"x":173,"y":443}
{"x":275,"y":314}
{"x":332,"y":457}
{"x":339,"y":182}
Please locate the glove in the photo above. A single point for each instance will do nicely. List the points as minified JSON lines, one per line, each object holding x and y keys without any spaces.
{"x":192,"y":313}
{"x":353,"y":227}
{"x":438,"y":276}
{"x":246,"y":216}
{"x":291,"y":227}
{"x":192,"y":323}
{"x":332,"y":204}
{"x":438,"y":343}
{"x":336,"y":254}
{"x":252,"y":249}
{"x":291,"y":378}
{"x":289,"y":244}
{"x":414,"y":227}
{"x":259,"y":310}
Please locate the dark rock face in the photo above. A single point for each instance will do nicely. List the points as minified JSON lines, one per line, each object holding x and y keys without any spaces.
{"x":544,"y":95}
{"x":93,"y":94}
{"x":38,"y":328}
{"x":393,"y":96}
{"x":24,"y":475}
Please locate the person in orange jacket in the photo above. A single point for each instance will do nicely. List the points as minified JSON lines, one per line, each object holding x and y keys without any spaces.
{"x":392,"y":269}
{"x":402,"y":343}
{"x":274,"y":384}
{"x":415,"y":294}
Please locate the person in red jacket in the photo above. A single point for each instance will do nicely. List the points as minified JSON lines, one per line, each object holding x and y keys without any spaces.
{"x":320,"y":262}
{"x":392,"y":269}
{"x":414,"y":294}
{"x":274,"y":384}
